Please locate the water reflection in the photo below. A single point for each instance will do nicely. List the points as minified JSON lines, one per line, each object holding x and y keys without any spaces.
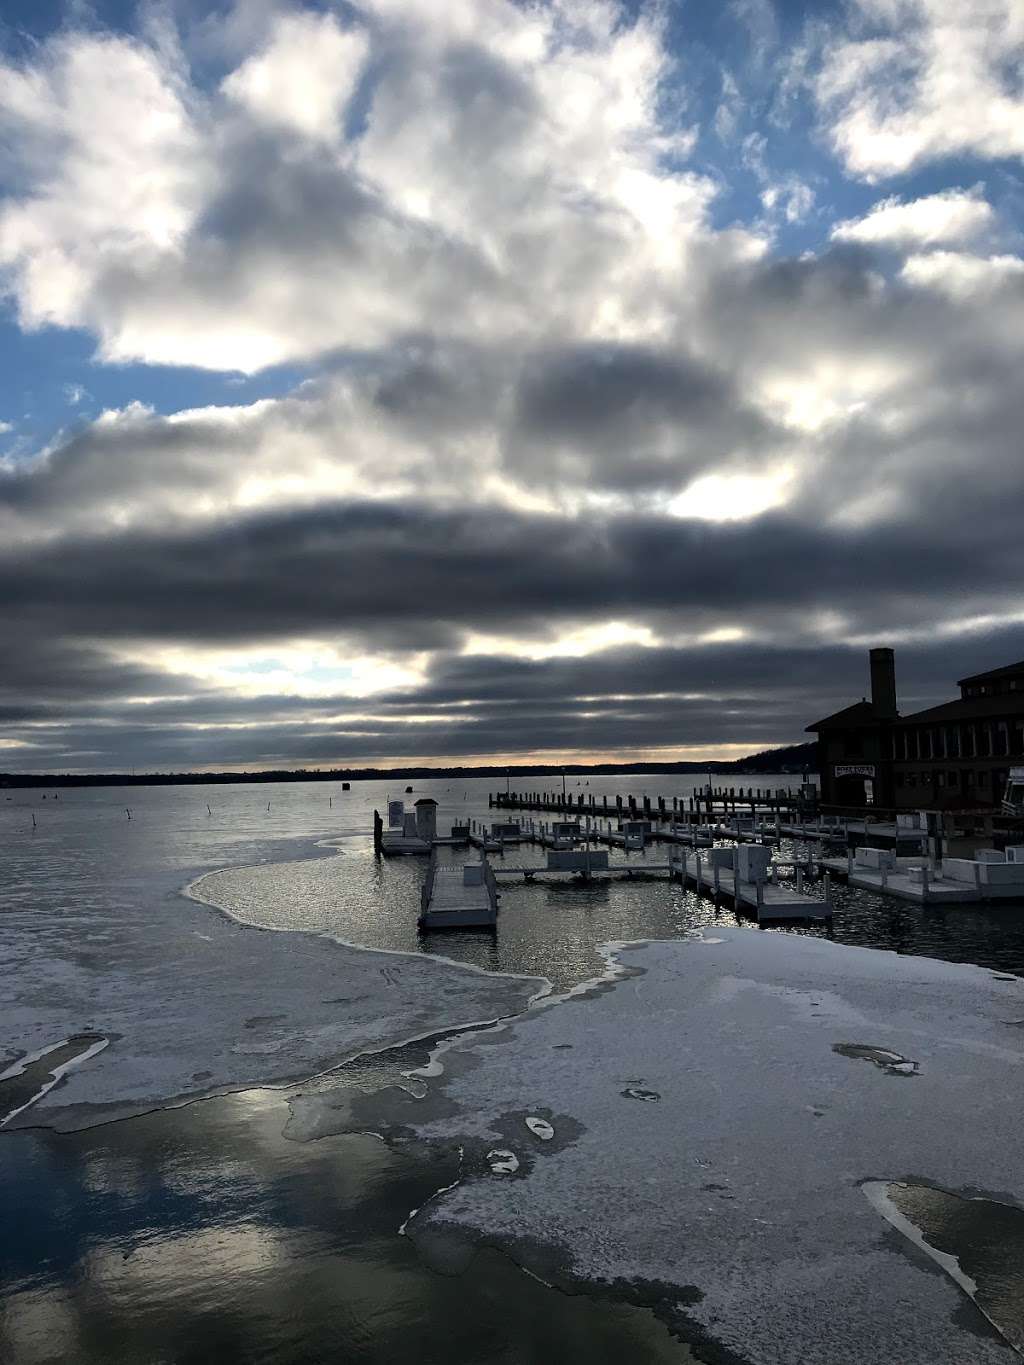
{"x":555,"y":928}
{"x":202,"y":1234}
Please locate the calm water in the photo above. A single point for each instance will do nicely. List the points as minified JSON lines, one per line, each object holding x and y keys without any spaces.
{"x":203,"y":1234}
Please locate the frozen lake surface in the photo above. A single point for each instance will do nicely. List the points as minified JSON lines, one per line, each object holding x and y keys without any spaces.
{"x":122,"y":995}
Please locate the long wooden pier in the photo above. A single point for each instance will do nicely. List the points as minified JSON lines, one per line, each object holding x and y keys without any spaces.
{"x":710,"y":804}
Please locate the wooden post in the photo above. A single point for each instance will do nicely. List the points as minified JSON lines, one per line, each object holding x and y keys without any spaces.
{"x":378,"y":832}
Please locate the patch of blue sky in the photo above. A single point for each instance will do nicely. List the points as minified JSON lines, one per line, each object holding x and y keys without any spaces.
{"x":52,"y":380}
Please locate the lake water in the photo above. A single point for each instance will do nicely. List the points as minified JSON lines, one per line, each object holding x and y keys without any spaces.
{"x":202,"y":1233}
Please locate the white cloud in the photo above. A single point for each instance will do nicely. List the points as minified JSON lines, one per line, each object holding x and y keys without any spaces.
{"x":914,"y":81}
{"x":790,"y":197}
{"x":952,"y":217}
{"x":304,"y":77}
{"x":967,"y":278}
{"x":510,"y":177}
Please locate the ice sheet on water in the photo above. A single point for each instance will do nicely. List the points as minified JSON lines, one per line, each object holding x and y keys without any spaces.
{"x":737,"y":1040}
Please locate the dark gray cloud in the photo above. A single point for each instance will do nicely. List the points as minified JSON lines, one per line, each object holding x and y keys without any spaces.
{"x":630,"y":417}
{"x":394,"y":577}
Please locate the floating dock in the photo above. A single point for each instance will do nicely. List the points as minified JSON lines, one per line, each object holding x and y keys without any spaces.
{"x":463,"y":896}
{"x":953,"y":881}
{"x":769,"y":900}
{"x":585,"y":863}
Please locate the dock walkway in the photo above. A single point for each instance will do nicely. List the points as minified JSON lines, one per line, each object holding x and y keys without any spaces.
{"x":769,"y":900}
{"x":459,"y":896}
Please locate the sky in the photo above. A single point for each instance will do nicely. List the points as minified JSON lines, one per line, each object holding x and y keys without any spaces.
{"x":498,"y":381}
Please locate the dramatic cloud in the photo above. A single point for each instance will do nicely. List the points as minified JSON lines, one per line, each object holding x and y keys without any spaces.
{"x":493,"y":378}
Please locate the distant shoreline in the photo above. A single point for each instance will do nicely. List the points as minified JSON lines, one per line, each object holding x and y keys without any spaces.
{"x":793,"y":762}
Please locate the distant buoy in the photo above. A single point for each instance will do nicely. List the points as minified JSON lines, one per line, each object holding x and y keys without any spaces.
{"x":127,"y":812}
{"x":33,"y":822}
{"x":208,"y":810}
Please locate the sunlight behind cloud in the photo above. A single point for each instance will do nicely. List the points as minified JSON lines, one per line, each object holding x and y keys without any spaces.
{"x":733,"y":497}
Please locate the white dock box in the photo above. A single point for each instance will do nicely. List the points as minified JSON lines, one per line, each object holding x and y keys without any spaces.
{"x":409,"y":828}
{"x":396,"y":814}
{"x":909,"y":820}
{"x":473,"y":874}
{"x":722,"y":857}
{"x":876,"y":858}
{"x":989,"y":855}
{"x":1015,"y":854}
{"x":752,"y":862}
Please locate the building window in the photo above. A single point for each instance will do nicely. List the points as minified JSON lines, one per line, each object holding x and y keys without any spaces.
{"x":1002,"y":738}
{"x":982,"y":778}
{"x":1018,"y":736}
{"x":968,"y":745}
{"x":940,"y":779}
{"x":952,"y":778}
{"x":985,"y":740}
{"x":952,"y":741}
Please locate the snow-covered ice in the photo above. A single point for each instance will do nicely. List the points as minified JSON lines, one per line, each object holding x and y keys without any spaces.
{"x":192,"y":1003}
{"x":742,"y":1187}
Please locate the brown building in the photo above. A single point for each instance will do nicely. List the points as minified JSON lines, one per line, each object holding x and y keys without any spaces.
{"x":954,"y":756}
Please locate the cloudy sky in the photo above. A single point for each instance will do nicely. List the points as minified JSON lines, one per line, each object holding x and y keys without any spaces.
{"x":472,"y":380}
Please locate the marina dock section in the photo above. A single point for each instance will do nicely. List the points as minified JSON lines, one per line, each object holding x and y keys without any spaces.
{"x":990,"y":876}
{"x":458,"y":896}
{"x":749,"y":878}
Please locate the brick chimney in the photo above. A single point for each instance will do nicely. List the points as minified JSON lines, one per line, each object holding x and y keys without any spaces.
{"x":883,"y":683}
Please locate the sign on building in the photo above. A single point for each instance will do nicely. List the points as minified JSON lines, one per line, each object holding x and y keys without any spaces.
{"x":855,"y":770}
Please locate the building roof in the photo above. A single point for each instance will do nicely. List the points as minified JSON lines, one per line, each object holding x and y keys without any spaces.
{"x":1007,"y":671}
{"x":970,"y":708}
{"x":860,"y":713}
{"x":425,"y":801}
